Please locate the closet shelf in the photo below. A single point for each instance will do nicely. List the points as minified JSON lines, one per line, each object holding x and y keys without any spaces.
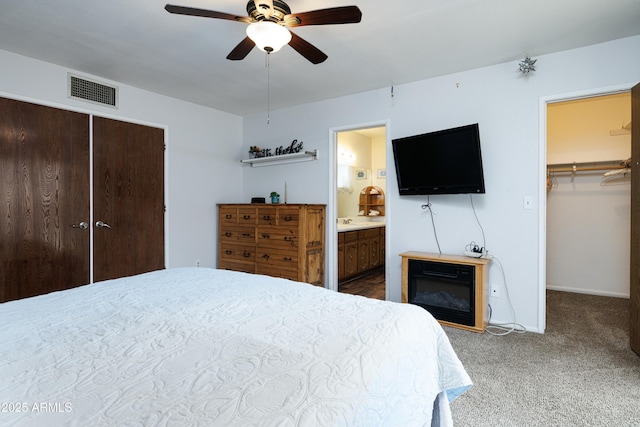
{"x":305,"y":156}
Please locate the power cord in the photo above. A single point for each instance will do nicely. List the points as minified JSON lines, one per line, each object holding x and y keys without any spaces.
{"x":502,"y":329}
{"x":484,"y":240}
{"x":498,"y":329}
{"x":435,"y":234}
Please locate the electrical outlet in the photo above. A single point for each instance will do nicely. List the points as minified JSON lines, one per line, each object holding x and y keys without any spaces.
{"x":495,"y":291}
{"x":197,"y":263}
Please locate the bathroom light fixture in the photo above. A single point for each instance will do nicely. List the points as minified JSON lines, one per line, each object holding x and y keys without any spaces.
{"x":268,"y":35}
{"x":346,"y":157}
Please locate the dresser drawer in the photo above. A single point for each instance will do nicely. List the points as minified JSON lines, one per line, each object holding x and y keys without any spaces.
{"x":277,"y":272}
{"x":279,"y":258}
{"x":247,"y":267}
{"x":238,"y":234}
{"x":248,"y":216}
{"x":237,"y":252}
{"x":267,"y":215}
{"x":288,"y":217}
{"x":228,"y":215}
{"x":277,"y":237}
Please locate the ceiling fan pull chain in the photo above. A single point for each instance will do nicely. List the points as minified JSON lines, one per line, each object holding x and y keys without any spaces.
{"x":268,"y":91}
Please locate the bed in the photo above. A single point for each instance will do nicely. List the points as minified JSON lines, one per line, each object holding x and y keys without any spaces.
{"x":206,"y":347}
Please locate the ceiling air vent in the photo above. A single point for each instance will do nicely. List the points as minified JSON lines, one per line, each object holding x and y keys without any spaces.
{"x":92,"y":91}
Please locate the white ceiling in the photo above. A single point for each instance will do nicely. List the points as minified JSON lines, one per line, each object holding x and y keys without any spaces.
{"x":139,"y":44}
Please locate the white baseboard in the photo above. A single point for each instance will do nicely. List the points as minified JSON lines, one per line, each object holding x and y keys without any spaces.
{"x":587,"y":291}
{"x":529,"y":328}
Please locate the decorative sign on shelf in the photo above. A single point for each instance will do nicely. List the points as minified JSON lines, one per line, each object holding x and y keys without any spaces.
{"x":294,"y":147}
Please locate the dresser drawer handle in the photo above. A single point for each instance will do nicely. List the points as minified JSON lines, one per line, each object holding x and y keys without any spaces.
{"x":287,"y":258}
{"x":228,"y":252}
{"x":288,"y":218}
{"x":267,"y":217}
{"x":228,"y":216}
{"x":246,"y":254}
{"x":247,"y":217}
{"x":246,"y":234}
{"x":266,"y":257}
{"x":265,"y":236}
{"x":228,"y":234}
{"x":288,"y":239}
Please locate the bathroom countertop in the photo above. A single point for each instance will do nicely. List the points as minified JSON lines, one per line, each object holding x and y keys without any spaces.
{"x":354,"y":226}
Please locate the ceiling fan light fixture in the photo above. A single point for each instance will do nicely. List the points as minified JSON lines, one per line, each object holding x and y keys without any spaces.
{"x":268,"y":35}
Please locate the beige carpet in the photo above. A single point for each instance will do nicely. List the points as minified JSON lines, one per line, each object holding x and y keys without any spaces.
{"x":581,"y":372}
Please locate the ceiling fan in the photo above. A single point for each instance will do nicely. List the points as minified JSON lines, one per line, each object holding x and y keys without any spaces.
{"x":268,"y":21}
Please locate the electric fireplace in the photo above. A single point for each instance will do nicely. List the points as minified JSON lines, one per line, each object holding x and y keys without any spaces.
{"x":447,"y":291}
{"x":453,"y":288}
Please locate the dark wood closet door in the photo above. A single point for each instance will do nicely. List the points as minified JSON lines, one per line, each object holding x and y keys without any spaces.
{"x":44,"y":192}
{"x":128,"y":194}
{"x":634,"y":304}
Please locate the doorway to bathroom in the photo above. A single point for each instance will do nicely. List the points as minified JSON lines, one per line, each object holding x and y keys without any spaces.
{"x":361,"y":208}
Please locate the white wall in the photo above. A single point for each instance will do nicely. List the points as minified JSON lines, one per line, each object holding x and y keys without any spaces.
{"x":588,"y":235}
{"x":507,"y":107}
{"x":361,"y":148}
{"x":379,"y":161}
{"x":204,"y":147}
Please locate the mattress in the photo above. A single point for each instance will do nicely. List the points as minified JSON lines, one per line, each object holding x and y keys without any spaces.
{"x":206,"y":347}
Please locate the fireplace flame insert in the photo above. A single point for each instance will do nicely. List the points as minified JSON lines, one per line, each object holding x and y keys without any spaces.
{"x":447,"y":291}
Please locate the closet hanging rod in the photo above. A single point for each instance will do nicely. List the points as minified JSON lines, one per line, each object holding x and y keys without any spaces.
{"x":586,"y":166}
{"x":583,"y":168}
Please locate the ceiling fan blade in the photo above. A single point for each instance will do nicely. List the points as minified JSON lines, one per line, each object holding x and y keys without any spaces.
{"x":333,"y":15}
{"x":306,"y":49}
{"x":241,"y":50}
{"x":192,"y":11}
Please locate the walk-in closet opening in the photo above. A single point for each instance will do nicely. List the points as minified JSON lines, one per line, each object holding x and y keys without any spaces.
{"x":589,"y":195}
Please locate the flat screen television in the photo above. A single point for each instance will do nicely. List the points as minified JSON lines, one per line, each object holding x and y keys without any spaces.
{"x":444,"y":162}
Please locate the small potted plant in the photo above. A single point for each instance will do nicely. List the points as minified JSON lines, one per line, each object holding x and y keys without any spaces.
{"x":275,"y":197}
{"x":255,"y":151}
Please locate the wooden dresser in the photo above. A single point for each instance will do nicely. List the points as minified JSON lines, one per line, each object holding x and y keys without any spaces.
{"x":277,"y":240}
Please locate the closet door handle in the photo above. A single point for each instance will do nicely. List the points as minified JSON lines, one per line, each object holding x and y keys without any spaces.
{"x":101,"y":224}
{"x":83,"y":225}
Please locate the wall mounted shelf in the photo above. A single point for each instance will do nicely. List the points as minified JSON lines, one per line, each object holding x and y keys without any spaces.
{"x":305,"y":156}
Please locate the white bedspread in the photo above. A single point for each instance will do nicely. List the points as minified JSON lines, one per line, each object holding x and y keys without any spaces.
{"x":203,"y":347}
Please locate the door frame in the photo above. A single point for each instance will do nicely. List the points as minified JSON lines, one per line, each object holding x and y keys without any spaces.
{"x":98,"y":113}
{"x":331,"y":280}
{"x":634,"y":270}
{"x":542,"y":184}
